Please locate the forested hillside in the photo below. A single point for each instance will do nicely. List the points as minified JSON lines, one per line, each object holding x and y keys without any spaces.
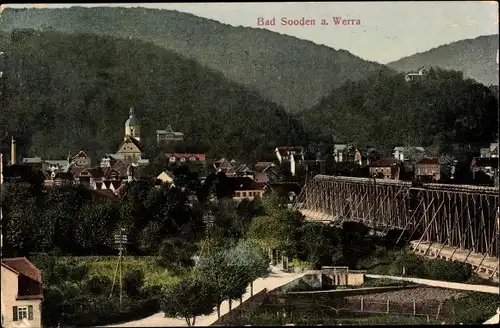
{"x":69,"y":92}
{"x":476,"y":58}
{"x":443,"y":110}
{"x":292,"y":72}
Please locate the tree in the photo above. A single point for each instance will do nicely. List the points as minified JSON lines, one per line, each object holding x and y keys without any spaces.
{"x":21,"y":212}
{"x":252,"y":258}
{"x":176,"y":254}
{"x":94,"y":230}
{"x":226,"y":277}
{"x":318,"y":244}
{"x":188,"y":299}
{"x":151,"y":237}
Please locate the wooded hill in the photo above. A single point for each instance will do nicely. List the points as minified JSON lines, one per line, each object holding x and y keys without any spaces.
{"x":289,"y":71}
{"x":476,"y":58}
{"x":65,"y":92}
{"x":442,"y":110}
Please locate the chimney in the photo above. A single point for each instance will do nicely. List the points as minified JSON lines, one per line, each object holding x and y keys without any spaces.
{"x":13,"y":151}
{"x":292,"y":165}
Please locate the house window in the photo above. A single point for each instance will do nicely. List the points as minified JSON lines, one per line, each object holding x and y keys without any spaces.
{"x":238,"y":194}
{"x":183,"y":159}
{"x":193,"y":159}
{"x":22,"y":312}
{"x":172,"y":159}
{"x":244,"y":194}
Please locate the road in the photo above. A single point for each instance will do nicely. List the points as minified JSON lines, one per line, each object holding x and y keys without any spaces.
{"x":275,"y":279}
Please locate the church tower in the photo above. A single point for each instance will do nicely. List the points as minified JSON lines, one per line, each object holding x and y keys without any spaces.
{"x":132,"y":127}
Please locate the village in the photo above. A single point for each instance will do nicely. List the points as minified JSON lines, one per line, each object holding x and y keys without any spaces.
{"x":250,"y":180}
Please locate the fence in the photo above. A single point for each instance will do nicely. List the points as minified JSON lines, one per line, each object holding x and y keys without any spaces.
{"x":432,"y":308}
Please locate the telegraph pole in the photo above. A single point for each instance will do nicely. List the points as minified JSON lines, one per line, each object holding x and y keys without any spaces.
{"x":120,"y":244}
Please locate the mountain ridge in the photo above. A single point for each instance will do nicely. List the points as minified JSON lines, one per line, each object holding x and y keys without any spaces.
{"x":292,"y":72}
{"x":475,"y":57}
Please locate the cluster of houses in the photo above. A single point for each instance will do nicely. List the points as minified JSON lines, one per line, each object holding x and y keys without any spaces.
{"x":414,"y":159}
{"x":247,"y":181}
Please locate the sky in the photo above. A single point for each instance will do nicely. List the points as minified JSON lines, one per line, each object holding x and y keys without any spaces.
{"x":387,"y":31}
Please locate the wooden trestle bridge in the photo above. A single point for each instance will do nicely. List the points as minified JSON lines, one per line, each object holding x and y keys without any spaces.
{"x":452,"y":222}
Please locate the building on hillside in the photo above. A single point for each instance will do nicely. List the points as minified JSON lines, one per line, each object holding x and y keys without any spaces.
{"x":490,"y":152}
{"x":168,"y":136}
{"x":285,"y":154}
{"x":245,"y":188}
{"x":408,"y":153}
{"x":428,"y":168}
{"x":488,"y":165}
{"x":185,"y":158}
{"x":223,"y":165}
{"x":80,"y":160}
{"x":385,"y":169}
{"x":21,"y":293}
{"x":55,"y":165}
{"x":165,"y":177}
{"x":131,"y":150}
{"x":33,"y":162}
{"x":416,"y":76}
{"x":263,"y":166}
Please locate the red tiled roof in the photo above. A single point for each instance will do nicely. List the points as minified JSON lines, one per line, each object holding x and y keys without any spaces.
{"x":23,"y":266}
{"x":428,"y":160}
{"x":200,"y":157}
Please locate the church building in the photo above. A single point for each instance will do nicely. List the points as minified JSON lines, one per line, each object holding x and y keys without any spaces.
{"x":130,"y":151}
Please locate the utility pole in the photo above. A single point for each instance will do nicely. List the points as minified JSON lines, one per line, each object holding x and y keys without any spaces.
{"x":120,"y":244}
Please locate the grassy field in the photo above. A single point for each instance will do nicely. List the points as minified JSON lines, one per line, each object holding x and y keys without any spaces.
{"x":100,"y":265}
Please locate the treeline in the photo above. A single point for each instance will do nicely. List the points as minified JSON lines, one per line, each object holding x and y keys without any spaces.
{"x":64,"y":93}
{"x":442,"y":112}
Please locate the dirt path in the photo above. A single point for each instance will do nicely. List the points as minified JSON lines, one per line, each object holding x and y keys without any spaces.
{"x":274,"y":280}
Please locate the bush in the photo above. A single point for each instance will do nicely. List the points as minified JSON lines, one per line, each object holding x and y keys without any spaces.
{"x":449,"y":271}
{"x":51,"y":306}
{"x":473,"y":308}
{"x":98,"y":285}
{"x":133,"y":282}
{"x":86,"y":311}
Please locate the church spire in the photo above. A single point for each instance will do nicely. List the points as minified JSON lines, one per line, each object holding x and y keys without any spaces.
{"x":131,"y":112}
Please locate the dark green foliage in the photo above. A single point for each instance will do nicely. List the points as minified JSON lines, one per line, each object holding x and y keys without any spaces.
{"x":71,"y":298}
{"x":175,"y":254}
{"x":133,"y":282}
{"x":51,"y":306}
{"x":442,"y":113}
{"x":105,"y":77}
{"x":456,"y":56}
{"x":98,"y":285}
{"x":318,"y":244}
{"x":472,"y":308}
{"x":188,"y":299}
{"x":290,"y":71}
